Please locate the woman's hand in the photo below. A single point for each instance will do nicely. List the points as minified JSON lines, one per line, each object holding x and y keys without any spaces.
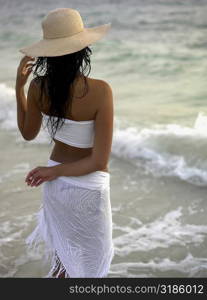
{"x":23,"y":71}
{"x":40,"y":174}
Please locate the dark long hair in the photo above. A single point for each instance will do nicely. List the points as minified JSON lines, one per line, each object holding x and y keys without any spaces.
{"x":56,"y":76}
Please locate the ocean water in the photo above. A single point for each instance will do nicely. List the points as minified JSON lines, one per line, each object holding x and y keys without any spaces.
{"x":155,"y":58}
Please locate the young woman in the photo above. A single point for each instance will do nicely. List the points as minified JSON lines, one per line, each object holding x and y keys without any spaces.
{"x":74,"y":220}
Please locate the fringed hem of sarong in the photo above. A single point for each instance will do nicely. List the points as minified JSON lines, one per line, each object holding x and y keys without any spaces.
{"x":57,"y":268}
{"x":41,"y":234}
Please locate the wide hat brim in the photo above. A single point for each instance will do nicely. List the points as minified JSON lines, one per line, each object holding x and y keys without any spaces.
{"x":66,"y":45}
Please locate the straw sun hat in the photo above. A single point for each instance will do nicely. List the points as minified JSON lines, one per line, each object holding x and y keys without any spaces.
{"x":64,"y":33}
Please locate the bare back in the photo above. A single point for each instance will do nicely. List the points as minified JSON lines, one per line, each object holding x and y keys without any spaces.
{"x":82,"y":109}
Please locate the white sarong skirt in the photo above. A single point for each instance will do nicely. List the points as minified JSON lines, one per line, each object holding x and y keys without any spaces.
{"x":75,"y":224}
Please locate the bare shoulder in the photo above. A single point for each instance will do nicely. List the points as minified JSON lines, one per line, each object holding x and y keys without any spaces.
{"x":102,"y":88}
{"x":34,"y":88}
{"x":35,"y":85}
{"x":100,"y":83}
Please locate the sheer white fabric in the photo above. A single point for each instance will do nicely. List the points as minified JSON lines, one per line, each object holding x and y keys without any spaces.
{"x":75,"y":222}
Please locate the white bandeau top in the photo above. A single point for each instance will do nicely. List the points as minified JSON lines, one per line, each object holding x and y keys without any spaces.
{"x":75,"y":133}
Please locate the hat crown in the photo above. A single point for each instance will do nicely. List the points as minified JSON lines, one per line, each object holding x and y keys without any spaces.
{"x":62,"y":22}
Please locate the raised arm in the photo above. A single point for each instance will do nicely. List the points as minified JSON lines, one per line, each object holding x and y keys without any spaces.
{"x":102,"y":140}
